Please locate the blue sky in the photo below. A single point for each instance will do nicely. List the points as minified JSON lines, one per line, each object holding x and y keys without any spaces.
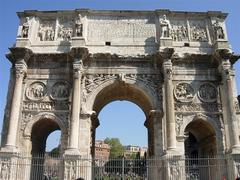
{"x":9,"y":23}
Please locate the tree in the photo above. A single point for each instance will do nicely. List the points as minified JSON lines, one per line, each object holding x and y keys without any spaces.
{"x":116,"y":148}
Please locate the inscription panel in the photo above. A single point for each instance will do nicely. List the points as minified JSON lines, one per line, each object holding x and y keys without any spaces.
{"x":120,"y":28}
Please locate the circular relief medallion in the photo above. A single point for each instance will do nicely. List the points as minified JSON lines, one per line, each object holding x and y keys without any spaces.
{"x":184,"y":92}
{"x":36,"y":91}
{"x":60,"y":91}
{"x":207,"y":92}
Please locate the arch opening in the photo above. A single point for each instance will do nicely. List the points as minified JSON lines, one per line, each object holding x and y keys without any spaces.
{"x":40,"y":132}
{"x":39,"y":135}
{"x":200,"y":139}
{"x":130,"y":93}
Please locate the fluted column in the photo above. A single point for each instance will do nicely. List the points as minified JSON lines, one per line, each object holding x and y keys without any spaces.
{"x":227,"y":93}
{"x":75,"y":111}
{"x":169,"y":101}
{"x":20,"y":72}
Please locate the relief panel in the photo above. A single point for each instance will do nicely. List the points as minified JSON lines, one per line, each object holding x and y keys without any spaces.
{"x":46,"y":31}
{"x":198,"y":31}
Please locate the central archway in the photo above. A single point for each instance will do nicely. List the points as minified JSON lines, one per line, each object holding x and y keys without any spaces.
{"x":129,"y":91}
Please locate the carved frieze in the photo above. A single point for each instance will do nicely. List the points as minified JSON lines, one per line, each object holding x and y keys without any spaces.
{"x":46,"y":30}
{"x":198,"y":31}
{"x":45,"y":106}
{"x":179,"y":31}
{"x":192,"y":107}
{"x":36,"y":91}
{"x":207,"y":92}
{"x":184,"y":92}
{"x":60,"y":91}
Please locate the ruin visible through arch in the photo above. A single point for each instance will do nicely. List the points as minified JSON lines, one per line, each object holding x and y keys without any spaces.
{"x":176,"y":66}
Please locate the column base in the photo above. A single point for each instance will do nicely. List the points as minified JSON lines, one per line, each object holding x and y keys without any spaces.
{"x":9,"y":149}
{"x":173,"y":151}
{"x":235,"y":149}
{"x":72,"y":152}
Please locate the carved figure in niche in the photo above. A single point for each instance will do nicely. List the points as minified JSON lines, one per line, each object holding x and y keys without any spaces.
{"x":179,"y":122}
{"x":46,"y":33}
{"x":4,"y":170}
{"x":184,"y":92}
{"x":174,"y":171}
{"x":198,"y":33}
{"x":36,"y":91}
{"x":207,"y":93}
{"x":64,"y":33}
{"x":78,"y":26}
{"x":165,"y":27}
{"x":179,"y":33}
{"x":60,"y":91}
{"x":218,"y":30}
{"x":25,"y":28}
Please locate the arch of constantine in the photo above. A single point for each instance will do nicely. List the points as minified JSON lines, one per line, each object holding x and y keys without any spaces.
{"x":176,"y":66}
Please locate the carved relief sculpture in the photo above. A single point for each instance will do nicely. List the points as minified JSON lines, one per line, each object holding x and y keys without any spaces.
{"x":78,"y":26}
{"x":198,"y":31}
{"x":207,"y":93}
{"x":179,"y":122}
{"x":165,"y":27}
{"x":46,"y":31}
{"x":65,"y":30}
{"x":36,"y":91}
{"x":218,"y":30}
{"x":179,"y":31}
{"x":184,"y":92}
{"x":60,"y":91}
{"x":25,"y":28}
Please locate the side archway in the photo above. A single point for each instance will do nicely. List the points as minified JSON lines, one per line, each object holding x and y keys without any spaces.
{"x":203,"y":137}
{"x":39,"y":128}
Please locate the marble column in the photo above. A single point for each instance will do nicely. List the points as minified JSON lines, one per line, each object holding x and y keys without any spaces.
{"x":75,"y":115}
{"x":169,"y":108}
{"x":229,"y":99}
{"x":156,"y":117}
{"x":20,"y":72}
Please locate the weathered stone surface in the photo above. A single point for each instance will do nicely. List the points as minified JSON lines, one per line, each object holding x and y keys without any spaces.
{"x":177,"y":66}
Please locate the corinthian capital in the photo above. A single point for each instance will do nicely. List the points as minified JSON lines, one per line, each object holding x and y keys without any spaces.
{"x":77,"y":69}
{"x":20,"y":69}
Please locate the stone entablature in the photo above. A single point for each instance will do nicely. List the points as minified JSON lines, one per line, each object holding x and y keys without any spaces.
{"x":122,"y":32}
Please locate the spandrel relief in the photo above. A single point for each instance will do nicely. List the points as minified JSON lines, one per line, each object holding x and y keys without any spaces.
{"x":60,"y":91}
{"x":46,"y":31}
{"x":36,"y":91}
{"x":65,"y":30}
{"x":207,"y":92}
{"x":184,"y":92}
{"x":198,"y":31}
{"x":179,"y":31}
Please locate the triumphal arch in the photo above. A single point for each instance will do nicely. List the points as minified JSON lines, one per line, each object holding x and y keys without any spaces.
{"x":176,"y":66}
